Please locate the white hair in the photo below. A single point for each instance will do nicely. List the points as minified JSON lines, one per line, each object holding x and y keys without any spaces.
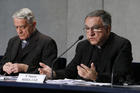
{"x":24,"y":13}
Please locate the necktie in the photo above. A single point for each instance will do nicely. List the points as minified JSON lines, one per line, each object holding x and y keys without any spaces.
{"x":24,"y":43}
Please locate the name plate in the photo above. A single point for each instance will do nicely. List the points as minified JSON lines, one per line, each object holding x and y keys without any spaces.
{"x":31,"y":78}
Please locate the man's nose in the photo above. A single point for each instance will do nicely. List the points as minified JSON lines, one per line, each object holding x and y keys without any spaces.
{"x":91,"y":32}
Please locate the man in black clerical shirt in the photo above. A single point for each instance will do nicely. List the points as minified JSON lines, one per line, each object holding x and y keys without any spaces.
{"x":101,"y":55}
{"x":25,"y":51}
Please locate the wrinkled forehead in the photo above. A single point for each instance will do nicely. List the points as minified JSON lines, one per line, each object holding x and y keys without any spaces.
{"x":91,"y":21}
{"x":20,"y":21}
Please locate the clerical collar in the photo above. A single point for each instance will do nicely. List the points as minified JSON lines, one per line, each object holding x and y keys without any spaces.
{"x":24,"y":41}
{"x":104,"y":43}
{"x":99,"y":47}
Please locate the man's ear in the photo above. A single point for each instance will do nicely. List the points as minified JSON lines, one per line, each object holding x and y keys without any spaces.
{"x":108,"y":29}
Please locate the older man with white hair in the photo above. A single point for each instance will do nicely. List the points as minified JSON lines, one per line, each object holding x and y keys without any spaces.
{"x":28,"y":48}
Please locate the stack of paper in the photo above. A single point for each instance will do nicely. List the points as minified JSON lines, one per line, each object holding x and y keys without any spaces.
{"x":76,"y":82}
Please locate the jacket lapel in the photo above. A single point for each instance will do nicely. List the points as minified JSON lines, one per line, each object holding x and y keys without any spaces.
{"x":15,"y":49}
{"x":32,"y":44}
{"x":106,"y":51}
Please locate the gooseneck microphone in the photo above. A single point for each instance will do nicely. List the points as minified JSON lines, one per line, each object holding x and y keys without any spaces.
{"x":112,"y":76}
{"x":53,"y":63}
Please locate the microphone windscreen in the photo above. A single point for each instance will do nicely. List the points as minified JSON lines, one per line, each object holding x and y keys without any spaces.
{"x":80,"y":37}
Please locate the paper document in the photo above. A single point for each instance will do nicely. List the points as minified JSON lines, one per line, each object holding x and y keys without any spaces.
{"x":76,"y":82}
{"x":8,"y":78}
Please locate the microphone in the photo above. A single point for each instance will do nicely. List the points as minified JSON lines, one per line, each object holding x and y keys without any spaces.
{"x":53,"y":63}
{"x":112,"y":76}
{"x":117,"y":78}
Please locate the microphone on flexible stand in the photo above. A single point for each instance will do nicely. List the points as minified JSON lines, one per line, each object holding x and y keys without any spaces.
{"x":116,"y":78}
{"x":53,"y":63}
{"x":112,"y":77}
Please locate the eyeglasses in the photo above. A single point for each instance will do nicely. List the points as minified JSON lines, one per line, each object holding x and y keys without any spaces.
{"x":22,"y":27}
{"x":95,"y":28}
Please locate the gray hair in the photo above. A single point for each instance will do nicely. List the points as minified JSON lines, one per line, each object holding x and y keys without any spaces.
{"x":25,"y":13}
{"x":105,"y":16}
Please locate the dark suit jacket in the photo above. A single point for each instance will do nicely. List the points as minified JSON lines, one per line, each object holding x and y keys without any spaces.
{"x":114,"y":54}
{"x":41,"y":48}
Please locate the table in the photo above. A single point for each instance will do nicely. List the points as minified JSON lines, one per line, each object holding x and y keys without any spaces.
{"x":10,"y":86}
